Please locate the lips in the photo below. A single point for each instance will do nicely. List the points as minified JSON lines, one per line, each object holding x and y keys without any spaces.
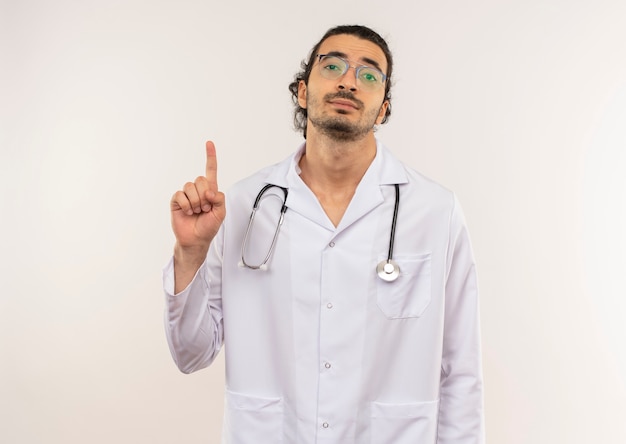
{"x":344,"y":103}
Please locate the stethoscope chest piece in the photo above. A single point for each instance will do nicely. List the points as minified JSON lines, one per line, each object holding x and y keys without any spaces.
{"x":388,"y":270}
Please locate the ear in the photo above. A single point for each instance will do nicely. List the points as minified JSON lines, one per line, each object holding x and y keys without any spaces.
{"x":302,"y":94}
{"x":382,"y":112}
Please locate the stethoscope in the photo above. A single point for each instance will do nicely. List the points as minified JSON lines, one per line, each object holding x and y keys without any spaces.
{"x":388,"y":270}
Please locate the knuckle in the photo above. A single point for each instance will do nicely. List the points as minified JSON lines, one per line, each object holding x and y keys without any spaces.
{"x":180,"y":199}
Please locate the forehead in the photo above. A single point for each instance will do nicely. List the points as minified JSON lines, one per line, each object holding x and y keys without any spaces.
{"x":355,"y":49}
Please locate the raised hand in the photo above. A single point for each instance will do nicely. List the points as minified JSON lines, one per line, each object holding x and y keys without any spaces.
{"x":198,"y":210}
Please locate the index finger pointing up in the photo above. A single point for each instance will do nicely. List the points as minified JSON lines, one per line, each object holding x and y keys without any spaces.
{"x":211,"y":164}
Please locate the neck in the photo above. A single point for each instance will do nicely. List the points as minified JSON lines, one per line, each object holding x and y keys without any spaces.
{"x":335,"y":165}
{"x":333,"y":170}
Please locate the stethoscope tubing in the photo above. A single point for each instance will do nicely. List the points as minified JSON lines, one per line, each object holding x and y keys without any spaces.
{"x":392,"y":235}
{"x":388,"y":270}
{"x":255,"y":207}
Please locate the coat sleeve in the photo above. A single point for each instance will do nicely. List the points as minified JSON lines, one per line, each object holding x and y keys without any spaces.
{"x":193,"y":317}
{"x":461,"y":418}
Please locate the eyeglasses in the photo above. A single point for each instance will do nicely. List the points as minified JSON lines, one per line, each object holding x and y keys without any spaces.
{"x":333,"y":67}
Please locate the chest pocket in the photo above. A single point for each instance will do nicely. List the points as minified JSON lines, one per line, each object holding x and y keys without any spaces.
{"x":409,"y":295}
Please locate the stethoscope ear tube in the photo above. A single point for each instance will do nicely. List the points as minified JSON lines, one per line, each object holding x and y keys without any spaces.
{"x":244,"y":244}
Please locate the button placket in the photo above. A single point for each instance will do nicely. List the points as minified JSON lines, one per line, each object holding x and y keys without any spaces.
{"x":328,"y":383}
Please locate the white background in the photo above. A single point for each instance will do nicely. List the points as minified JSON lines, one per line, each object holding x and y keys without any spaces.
{"x":518,"y":106}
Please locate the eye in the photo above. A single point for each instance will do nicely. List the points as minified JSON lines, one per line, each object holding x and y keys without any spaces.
{"x":369,"y":76}
{"x":332,"y":67}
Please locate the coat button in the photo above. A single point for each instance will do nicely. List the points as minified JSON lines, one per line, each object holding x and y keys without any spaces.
{"x":325,"y":425}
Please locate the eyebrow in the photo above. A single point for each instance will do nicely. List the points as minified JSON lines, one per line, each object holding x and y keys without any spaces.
{"x":366,"y":60}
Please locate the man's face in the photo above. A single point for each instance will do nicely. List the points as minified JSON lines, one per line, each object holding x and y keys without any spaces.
{"x":343,"y":108}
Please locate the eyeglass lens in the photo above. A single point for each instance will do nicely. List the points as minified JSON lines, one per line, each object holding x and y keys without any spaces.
{"x":333,"y":67}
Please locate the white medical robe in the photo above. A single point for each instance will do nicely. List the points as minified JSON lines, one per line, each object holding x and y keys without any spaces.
{"x":318,"y":348}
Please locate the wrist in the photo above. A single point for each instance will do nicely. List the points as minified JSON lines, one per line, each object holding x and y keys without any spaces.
{"x":189,"y":257}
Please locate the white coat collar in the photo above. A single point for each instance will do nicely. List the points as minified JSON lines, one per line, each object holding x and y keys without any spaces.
{"x":384,"y":170}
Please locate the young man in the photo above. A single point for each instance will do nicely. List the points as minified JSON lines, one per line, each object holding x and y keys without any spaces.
{"x":348,"y":303}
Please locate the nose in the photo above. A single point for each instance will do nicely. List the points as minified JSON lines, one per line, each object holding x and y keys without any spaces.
{"x":348,"y":79}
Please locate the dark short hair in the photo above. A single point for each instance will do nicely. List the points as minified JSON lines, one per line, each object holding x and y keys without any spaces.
{"x":362,"y":32}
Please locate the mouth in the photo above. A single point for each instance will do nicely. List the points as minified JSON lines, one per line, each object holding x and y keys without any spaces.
{"x":344,"y":104}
